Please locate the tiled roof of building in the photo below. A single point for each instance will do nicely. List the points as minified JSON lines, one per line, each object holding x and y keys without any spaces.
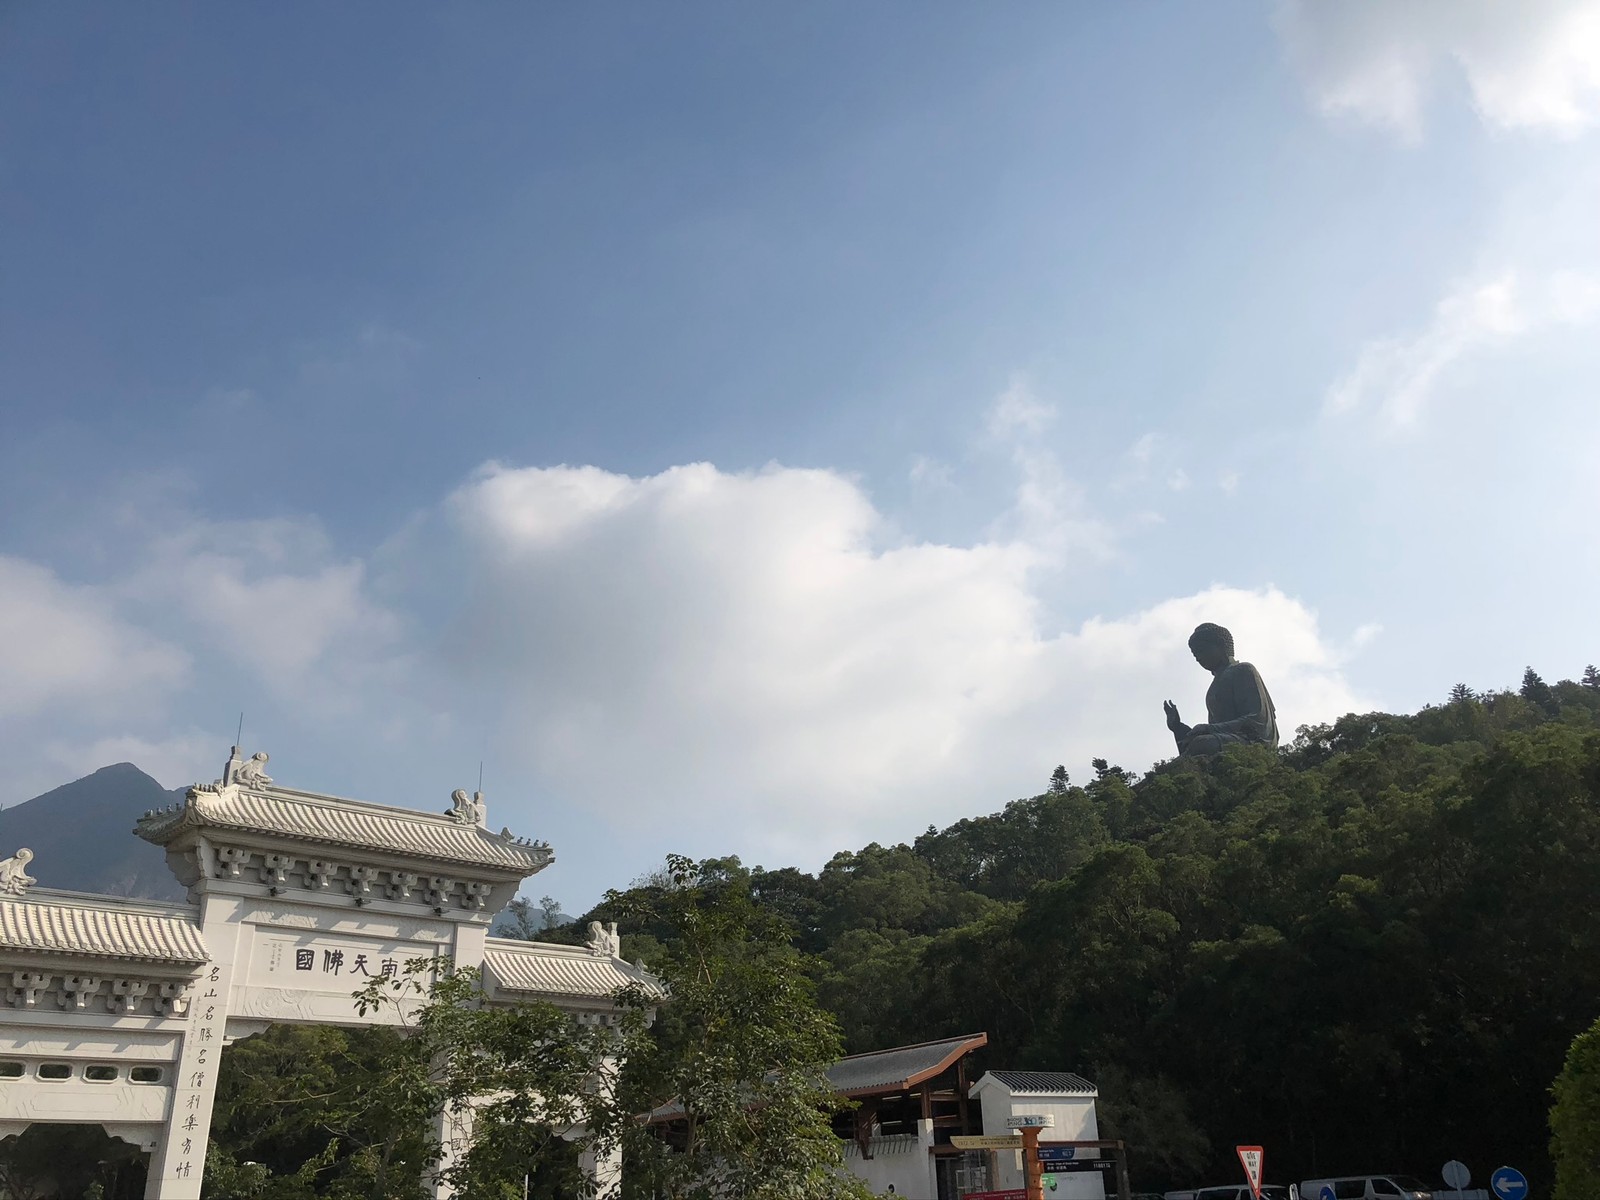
{"x":901,"y":1067}
{"x":355,"y":824}
{"x":542,"y":969}
{"x":1045,"y":1083}
{"x":52,"y":922}
{"x":879,"y":1071}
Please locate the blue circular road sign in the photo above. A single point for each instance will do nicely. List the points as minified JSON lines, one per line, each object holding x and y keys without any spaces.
{"x":1508,"y":1183}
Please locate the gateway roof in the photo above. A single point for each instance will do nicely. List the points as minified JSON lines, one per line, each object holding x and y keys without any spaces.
{"x":354,"y":824}
{"x":48,"y":921}
{"x":542,"y":969}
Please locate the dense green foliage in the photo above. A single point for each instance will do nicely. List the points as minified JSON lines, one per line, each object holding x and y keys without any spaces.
{"x":49,"y":1161}
{"x":1575,"y":1120}
{"x":737,"y":1057}
{"x":306,"y":1111}
{"x":1367,"y":951}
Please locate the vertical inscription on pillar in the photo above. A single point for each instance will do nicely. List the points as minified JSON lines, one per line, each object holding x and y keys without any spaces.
{"x":197,"y":1074}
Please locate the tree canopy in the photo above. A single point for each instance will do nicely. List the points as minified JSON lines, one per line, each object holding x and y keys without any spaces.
{"x":1369,"y":950}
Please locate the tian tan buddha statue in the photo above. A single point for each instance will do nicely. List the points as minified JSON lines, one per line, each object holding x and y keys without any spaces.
{"x":1238,"y":709}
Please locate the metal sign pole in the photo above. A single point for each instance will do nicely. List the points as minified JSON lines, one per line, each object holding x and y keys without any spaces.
{"x":1124,"y":1190}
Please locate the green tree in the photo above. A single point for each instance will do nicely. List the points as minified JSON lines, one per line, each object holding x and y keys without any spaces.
{"x":305,"y":1111}
{"x":869,"y":981}
{"x":47,"y":1161}
{"x":737,"y":1060}
{"x":1152,"y":1115}
{"x":520,"y":920}
{"x":1537,"y":692}
{"x":1058,"y":781}
{"x":1575,"y":1120}
{"x":521,"y":1077}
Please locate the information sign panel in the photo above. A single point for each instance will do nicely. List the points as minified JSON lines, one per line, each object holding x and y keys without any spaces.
{"x":988,"y":1141}
{"x":1063,"y":1153}
{"x":1031,"y":1121}
{"x":1084,"y":1164}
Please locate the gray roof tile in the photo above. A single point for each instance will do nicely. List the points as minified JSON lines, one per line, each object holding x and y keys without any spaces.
{"x":542,"y":969}
{"x":1045,"y":1083}
{"x":50,"y":922}
{"x":329,"y":820}
{"x":901,"y":1066}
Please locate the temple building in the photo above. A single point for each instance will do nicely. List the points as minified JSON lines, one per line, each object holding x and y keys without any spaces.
{"x":915,"y":1105}
{"x":117,"y":1011}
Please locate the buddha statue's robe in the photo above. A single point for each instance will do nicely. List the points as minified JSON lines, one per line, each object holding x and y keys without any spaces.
{"x":1238,"y":710}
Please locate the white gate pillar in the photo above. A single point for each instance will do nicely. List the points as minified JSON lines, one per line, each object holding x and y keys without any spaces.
{"x":178,"y":1163}
{"x":604,"y":1173}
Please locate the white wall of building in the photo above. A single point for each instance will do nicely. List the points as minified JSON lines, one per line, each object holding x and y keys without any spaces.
{"x":900,"y":1159}
{"x":1074,"y":1122}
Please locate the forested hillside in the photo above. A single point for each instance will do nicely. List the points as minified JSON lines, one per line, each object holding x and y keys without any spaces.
{"x":1367,"y":950}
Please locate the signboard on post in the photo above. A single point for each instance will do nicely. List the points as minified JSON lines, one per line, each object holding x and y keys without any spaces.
{"x":989,"y":1141}
{"x":1062,"y":1153}
{"x":1083,"y":1164}
{"x":1251,"y":1158}
{"x":1034,"y":1121}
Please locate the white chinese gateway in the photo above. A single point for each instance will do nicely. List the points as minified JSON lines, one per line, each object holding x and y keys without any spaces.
{"x":117,"y":1011}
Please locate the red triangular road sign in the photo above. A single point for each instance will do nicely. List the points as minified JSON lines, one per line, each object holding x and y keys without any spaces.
{"x":1251,"y":1158}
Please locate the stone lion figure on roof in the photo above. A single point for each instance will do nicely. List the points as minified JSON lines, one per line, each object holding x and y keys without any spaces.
{"x":14,"y":878}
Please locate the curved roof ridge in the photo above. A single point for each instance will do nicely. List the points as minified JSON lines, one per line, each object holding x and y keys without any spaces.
{"x":356,"y":824}
{"x":900,"y":1067}
{"x":65,"y":896}
{"x":44,"y":924}
{"x":528,"y":967}
{"x":981,"y":1038}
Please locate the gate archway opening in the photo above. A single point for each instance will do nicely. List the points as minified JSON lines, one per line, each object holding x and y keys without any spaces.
{"x":52,"y":1160}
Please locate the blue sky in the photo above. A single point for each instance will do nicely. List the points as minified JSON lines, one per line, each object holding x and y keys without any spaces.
{"x":762,"y":429}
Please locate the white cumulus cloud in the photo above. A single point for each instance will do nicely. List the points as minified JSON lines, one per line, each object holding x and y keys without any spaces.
{"x":269,"y":595}
{"x":1396,"y":378}
{"x":66,"y":645}
{"x":1527,"y":64}
{"x":753,"y":654}
{"x":754,"y":662}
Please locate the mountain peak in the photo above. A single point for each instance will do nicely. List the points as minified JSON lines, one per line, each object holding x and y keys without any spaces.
{"x":82,"y":837}
{"x":120,"y":769}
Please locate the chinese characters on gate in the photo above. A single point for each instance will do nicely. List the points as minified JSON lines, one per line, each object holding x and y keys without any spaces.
{"x":198,"y":1059}
{"x":333,"y":963}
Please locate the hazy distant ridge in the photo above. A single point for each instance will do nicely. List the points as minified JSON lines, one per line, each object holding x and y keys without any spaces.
{"x":82,"y":835}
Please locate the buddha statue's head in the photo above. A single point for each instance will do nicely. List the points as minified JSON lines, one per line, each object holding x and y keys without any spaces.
{"x":1212,"y":646}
